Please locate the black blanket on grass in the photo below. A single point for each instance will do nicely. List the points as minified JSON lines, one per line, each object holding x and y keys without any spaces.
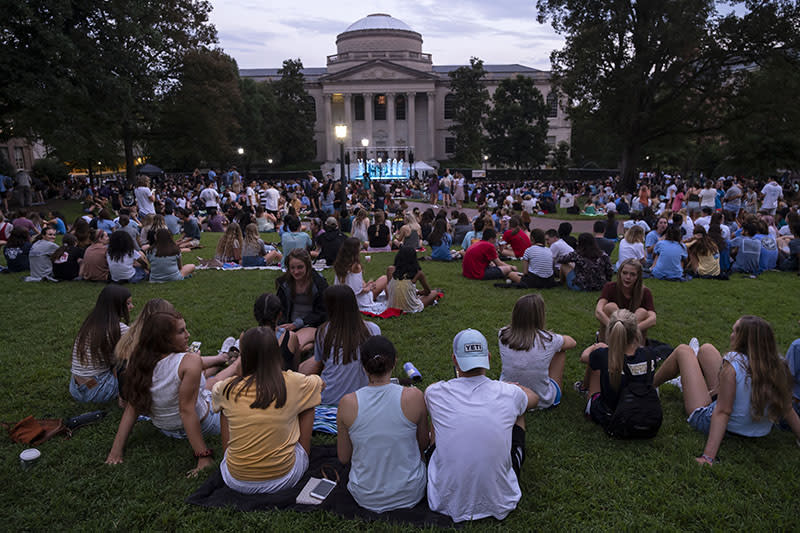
{"x":214,"y":493}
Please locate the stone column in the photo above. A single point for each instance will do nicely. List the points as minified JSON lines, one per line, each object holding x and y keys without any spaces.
{"x":411,"y":122}
{"x":390,"y":119}
{"x":329,"y":135}
{"x":431,"y":125}
{"x":348,"y":112}
{"x":368,"y":121}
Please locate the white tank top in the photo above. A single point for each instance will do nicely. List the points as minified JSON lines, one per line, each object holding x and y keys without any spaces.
{"x":166,"y":411}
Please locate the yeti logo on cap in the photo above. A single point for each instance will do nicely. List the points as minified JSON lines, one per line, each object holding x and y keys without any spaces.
{"x":473,"y":347}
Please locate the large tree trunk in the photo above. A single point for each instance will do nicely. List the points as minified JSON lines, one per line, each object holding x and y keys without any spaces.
{"x":130,"y":164}
{"x":630,"y":159}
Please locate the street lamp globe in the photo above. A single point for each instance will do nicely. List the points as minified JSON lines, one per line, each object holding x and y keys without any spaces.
{"x":364,"y":142}
{"x":269,"y":161}
{"x":240,"y":150}
{"x":486,"y":158}
{"x":341,"y":131}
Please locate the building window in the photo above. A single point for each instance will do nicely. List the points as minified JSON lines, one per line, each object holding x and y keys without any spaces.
{"x":358,"y":106}
{"x":379,"y":107}
{"x":400,"y":107}
{"x":19,"y":157}
{"x":312,"y":105}
{"x":450,"y":145}
{"x":552,"y":104}
{"x":551,"y":141}
{"x":449,"y":106}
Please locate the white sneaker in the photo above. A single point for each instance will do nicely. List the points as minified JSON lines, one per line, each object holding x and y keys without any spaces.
{"x":227,"y":344}
{"x":694,"y":344}
{"x":676,"y":382}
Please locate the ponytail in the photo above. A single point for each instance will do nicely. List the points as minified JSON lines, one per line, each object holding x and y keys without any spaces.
{"x":622,"y":330}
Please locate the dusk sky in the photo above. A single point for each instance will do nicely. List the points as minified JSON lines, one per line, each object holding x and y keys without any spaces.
{"x":263,"y":34}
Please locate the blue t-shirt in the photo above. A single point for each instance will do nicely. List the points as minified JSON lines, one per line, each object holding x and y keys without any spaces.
{"x":294,"y":239}
{"x":106,"y":225}
{"x":442,"y":251}
{"x":61,"y":228}
{"x":768,"y":259}
{"x":670,"y":254}
{"x":748,"y":256}
{"x":650,"y":240}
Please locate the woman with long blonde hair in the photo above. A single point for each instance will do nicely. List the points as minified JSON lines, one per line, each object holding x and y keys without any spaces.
{"x":752,"y":384}
{"x":229,"y":247}
{"x":409,"y":234}
{"x":606,"y":363}
{"x":255,"y":252}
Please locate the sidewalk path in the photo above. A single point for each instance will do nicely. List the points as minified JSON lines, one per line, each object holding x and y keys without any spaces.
{"x":578,"y":226}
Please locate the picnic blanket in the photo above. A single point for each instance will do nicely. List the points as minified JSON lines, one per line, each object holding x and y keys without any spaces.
{"x":322,"y":463}
{"x":392,"y":312}
{"x":204,"y":264}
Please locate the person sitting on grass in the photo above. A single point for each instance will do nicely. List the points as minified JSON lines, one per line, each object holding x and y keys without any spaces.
{"x":441,"y":241}
{"x":337,"y":354}
{"x":329,"y":242}
{"x":166,"y":382}
{"x":481,"y":261}
{"x":383,"y":430}
{"x":605,"y":374}
{"x":628,"y":292}
{"x":479,"y":424}
{"x":266,"y":416}
{"x":703,"y":254}
{"x":403,"y":276}
{"x":631,"y":246}
{"x":537,"y":264}
{"x":255,"y":252}
{"x":165,"y":259}
{"x":17,"y":250}
{"x":348,"y":271}
{"x":300,"y":291}
{"x":531,"y":355}
{"x":670,"y":255}
{"x":474,"y":235}
{"x":294,"y":237}
{"x":751,"y":386}
{"x":516,"y":238}
{"x":559,"y":248}
{"x":229,"y":246}
{"x":68,"y":257}
{"x":42,"y":254}
{"x":125,"y":264}
{"x":94,"y":266}
{"x":191,"y":231}
{"x":588,"y":267}
{"x":745,"y":250}
{"x":379,"y":234}
{"x":268,"y":312}
{"x":409,"y":234}
{"x":92,"y":378}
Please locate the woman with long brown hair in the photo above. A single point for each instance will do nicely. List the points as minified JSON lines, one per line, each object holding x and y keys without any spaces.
{"x":336,"y":347}
{"x":703,"y":254}
{"x":266,"y":418}
{"x":300,"y":292}
{"x":92,"y":378}
{"x":166,"y":381}
{"x":165,"y":259}
{"x":348,"y":271}
{"x":229,"y":247}
{"x":751,"y":386}
{"x":628,"y":292}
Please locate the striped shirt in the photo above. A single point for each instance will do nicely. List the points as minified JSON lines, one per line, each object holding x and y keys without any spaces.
{"x":540,"y":261}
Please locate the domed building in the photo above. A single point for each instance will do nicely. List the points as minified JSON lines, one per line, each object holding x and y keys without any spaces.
{"x":387,"y":90}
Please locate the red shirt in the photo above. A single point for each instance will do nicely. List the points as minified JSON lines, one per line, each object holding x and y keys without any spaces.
{"x":477,"y":258}
{"x":519,"y":242}
{"x":610,"y":294}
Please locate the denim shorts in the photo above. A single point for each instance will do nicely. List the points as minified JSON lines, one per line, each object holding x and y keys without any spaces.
{"x":210,"y":425}
{"x":253,"y":261}
{"x":107,"y":389}
{"x":571,"y":281}
{"x":700,"y":419}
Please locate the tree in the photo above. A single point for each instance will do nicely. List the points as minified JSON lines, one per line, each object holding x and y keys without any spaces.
{"x":644,"y":70}
{"x":470,"y":107}
{"x":517,"y":125}
{"x":198,"y":122}
{"x":257,"y":116}
{"x":113,"y":62}
{"x":295,"y":115}
{"x":561,"y":159}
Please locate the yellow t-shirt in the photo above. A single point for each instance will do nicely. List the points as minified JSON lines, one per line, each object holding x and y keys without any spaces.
{"x":262,"y":441}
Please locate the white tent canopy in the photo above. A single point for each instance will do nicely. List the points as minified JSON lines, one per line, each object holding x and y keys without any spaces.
{"x":422,"y":166}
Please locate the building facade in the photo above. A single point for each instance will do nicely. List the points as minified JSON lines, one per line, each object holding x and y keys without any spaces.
{"x":388,"y":91}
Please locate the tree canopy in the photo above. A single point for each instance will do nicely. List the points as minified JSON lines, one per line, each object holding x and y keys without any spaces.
{"x":470,"y":108}
{"x":517,"y":125}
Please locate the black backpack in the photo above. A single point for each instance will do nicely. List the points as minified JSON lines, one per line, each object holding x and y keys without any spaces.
{"x":638,"y":414}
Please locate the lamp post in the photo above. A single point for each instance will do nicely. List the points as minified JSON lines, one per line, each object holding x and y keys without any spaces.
{"x":380,"y":167}
{"x":341,"y":133}
{"x":485,"y":165}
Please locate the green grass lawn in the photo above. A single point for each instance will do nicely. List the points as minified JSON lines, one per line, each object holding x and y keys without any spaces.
{"x":574,"y":478}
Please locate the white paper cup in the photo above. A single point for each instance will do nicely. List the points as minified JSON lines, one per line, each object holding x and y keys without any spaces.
{"x":368,"y":258}
{"x":29,"y":457}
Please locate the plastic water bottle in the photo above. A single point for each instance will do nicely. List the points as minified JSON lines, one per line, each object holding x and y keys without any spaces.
{"x":412,"y":372}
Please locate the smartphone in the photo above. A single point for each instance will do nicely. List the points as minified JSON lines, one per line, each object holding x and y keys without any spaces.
{"x":195,"y":346}
{"x":323,"y":488}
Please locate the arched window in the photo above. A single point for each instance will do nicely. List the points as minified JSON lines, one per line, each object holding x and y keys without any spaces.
{"x":312,"y":105}
{"x":449,"y":106}
{"x":552,"y":104}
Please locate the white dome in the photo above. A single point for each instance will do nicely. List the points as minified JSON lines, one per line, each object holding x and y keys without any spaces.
{"x":378,"y":21}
